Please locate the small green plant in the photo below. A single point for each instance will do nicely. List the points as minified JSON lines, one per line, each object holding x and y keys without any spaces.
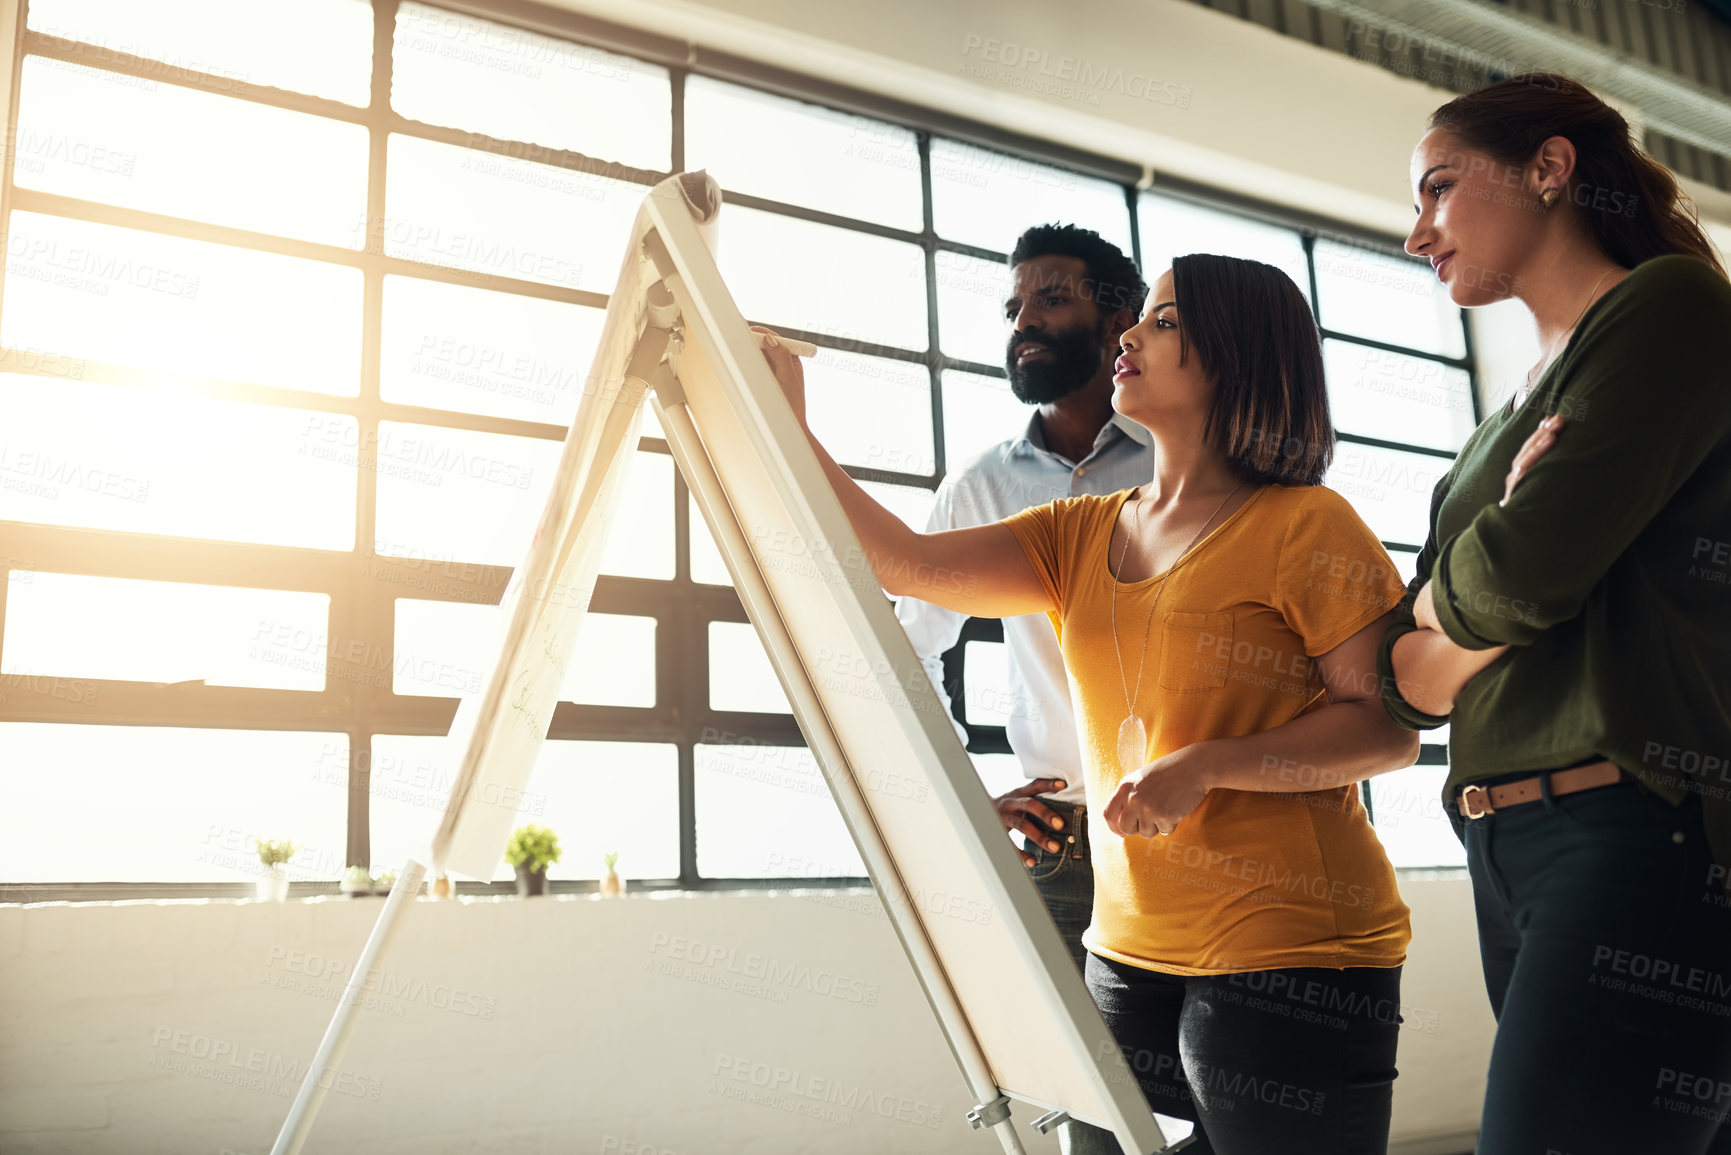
{"x":534,"y":848}
{"x":384,"y":880}
{"x":274,"y":852}
{"x":610,"y":859}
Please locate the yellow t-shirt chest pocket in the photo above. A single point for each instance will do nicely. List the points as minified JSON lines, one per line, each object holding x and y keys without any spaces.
{"x":1195,"y":651}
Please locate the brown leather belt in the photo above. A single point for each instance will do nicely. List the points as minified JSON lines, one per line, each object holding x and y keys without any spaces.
{"x":1476,"y":801}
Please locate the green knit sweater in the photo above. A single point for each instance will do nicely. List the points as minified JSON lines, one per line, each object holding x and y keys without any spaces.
{"x":1609,"y":571}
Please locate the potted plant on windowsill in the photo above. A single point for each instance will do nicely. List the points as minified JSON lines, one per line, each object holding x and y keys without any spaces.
{"x":274,"y":853}
{"x":357,"y":881}
{"x":531,"y":851}
{"x":612,"y":886}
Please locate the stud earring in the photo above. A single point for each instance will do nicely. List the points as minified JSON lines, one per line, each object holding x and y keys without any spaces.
{"x":1549,"y":197}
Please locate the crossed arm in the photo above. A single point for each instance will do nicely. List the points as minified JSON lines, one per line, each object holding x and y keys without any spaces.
{"x":1430,"y":668}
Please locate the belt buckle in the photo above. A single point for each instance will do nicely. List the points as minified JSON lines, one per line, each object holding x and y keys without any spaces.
{"x":1476,"y":808}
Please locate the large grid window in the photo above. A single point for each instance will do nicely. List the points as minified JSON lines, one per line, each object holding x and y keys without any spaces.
{"x":293,"y":327}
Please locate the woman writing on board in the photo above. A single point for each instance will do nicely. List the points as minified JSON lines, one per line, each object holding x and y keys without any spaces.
{"x":1577,"y":556}
{"x":1219,"y":625}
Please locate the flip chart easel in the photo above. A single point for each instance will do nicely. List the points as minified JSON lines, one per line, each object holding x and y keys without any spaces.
{"x":996,"y":974}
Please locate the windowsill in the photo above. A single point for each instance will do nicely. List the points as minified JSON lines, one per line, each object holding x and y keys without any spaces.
{"x":82,"y":893}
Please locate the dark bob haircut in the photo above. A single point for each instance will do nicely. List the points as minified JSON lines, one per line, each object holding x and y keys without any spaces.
{"x":1110,"y":278}
{"x":1254,"y":334}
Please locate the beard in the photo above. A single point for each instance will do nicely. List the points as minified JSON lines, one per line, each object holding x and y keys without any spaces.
{"x":1075,"y":358}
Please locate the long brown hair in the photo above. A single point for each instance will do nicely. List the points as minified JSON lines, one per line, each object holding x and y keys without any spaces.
{"x":1633,"y":205}
{"x":1253,"y":333}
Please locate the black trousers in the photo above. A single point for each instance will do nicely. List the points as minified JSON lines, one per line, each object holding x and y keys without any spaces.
{"x":1297,"y":1061}
{"x":1606,"y":942}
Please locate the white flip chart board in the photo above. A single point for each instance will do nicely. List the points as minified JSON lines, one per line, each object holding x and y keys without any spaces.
{"x":991,"y":962}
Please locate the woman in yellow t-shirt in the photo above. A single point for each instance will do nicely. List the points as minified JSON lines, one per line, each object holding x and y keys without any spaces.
{"x":1219,"y":626}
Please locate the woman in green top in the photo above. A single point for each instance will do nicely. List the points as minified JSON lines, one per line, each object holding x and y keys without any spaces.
{"x":1571,"y":619}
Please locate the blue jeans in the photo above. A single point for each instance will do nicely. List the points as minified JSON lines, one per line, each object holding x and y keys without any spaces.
{"x":1606,"y":943}
{"x":1066,"y":881}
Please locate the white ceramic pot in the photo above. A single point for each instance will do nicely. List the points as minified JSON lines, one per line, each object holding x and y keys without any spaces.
{"x":273,"y":885}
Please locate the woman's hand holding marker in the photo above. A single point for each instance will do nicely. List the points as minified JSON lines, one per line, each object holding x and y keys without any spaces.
{"x":783,"y":354}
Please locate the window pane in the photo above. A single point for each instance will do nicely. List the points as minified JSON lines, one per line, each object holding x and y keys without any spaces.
{"x":766,"y":812}
{"x":1369,"y":293}
{"x":110,"y":457}
{"x":321,"y":47}
{"x":613,"y":663}
{"x":179,"y":306}
{"x":986,"y":198}
{"x":448,"y":649}
{"x":459,"y":493}
{"x":796,"y":274}
{"x":1396,"y":397}
{"x":707,"y":565}
{"x":871,"y":411}
{"x":986,"y":676}
{"x":191,"y":154}
{"x":515,"y":85}
{"x":154,"y":804}
{"x":498,"y":215}
{"x":999,"y":772}
{"x":979,"y":412}
{"x":1406,"y":561}
{"x":149,"y":631}
{"x":1410,"y":818}
{"x":740,"y":674}
{"x":598,"y":797}
{"x":1171,"y":227}
{"x":479,"y":351}
{"x":475,"y":497}
{"x":1389,"y":488}
{"x":971,"y":296}
{"x":849,"y":165}
{"x":640,"y":542}
{"x":910,"y":503}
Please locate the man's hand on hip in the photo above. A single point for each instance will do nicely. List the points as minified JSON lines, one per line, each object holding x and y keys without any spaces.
{"x":1022,"y":812}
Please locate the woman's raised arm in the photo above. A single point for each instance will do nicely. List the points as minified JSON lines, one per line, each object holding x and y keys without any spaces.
{"x":981,"y":571}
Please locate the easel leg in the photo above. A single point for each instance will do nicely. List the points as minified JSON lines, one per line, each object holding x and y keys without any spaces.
{"x":330,"y":1053}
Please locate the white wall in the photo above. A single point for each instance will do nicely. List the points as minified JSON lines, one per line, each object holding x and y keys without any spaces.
{"x":563,"y":1025}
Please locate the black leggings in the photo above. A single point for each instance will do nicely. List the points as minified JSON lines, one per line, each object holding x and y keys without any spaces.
{"x":1297,"y":1061}
{"x":1606,"y":942}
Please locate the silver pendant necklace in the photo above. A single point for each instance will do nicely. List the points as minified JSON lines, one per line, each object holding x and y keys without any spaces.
{"x":1132,"y":734}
